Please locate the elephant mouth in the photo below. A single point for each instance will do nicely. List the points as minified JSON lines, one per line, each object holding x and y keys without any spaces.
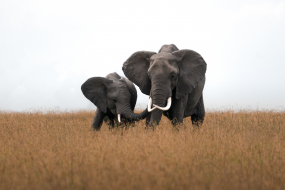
{"x":158,"y":107}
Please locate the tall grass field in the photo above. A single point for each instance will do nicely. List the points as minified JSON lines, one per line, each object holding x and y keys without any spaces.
{"x":232,"y":150}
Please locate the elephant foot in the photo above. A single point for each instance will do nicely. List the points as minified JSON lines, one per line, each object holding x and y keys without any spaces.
{"x":177,"y":122}
{"x":150,"y":126}
{"x":196,"y":121}
{"x":94,"y":128}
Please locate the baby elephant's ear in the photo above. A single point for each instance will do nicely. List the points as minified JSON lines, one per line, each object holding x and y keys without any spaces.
{"x":95,"y":90}
{"x":192,"y":71}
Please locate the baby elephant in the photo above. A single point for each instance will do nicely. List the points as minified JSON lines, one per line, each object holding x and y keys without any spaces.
{"x":115,"y":98}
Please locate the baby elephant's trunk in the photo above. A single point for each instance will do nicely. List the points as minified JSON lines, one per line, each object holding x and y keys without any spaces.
{"x":133,"y":116}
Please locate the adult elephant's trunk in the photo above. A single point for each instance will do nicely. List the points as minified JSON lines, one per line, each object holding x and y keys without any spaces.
{"x":158,"y":105}
{"x":166,"y":107}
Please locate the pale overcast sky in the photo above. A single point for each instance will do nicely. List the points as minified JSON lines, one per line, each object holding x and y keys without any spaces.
{"x":49,"y":48}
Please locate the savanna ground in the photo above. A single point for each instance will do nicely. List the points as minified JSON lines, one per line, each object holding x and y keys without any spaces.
{"x":232,"y":150}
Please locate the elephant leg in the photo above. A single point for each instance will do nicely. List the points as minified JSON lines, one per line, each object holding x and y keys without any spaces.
{"x":178,"y":109}
{"x":98,"y":120}
{"x":198,"y":118}
{"x":168,"y":114}
{"x":147,"y":121}
{"x":109,"y":120}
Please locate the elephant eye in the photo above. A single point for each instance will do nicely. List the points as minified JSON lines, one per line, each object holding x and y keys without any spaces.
{"x":173,"y":75}
{"x":114,"y":100}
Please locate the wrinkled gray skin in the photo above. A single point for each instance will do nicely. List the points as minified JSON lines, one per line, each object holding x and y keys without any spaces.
{"x":112,"y":95}
{"x":179,"y":74}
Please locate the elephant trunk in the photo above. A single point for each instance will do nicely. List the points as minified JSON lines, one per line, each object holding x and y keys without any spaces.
{"x":129,"y":114}
{"x":159,"y":98}
{"x":166,"y":107}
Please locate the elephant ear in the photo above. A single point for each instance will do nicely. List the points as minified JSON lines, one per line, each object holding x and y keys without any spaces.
{"x":192,"y":70}
{"x":135,"y":68}
{"x":95,"y":90}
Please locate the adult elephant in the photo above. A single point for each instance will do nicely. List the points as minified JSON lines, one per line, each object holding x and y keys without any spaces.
{"x":174,"y":79}
{"x":115,"y":98}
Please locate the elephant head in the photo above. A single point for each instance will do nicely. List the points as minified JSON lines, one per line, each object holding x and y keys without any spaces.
{"x":170,"y":72}
{"x":117,"y":96}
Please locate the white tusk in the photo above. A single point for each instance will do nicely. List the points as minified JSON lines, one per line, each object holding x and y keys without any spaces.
{"x":119,"y":117}
{"x":167,"y":106}
{"x":149,"y":109}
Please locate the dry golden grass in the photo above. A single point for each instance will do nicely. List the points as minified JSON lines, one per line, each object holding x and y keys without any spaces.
{"x":243,"y":150}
